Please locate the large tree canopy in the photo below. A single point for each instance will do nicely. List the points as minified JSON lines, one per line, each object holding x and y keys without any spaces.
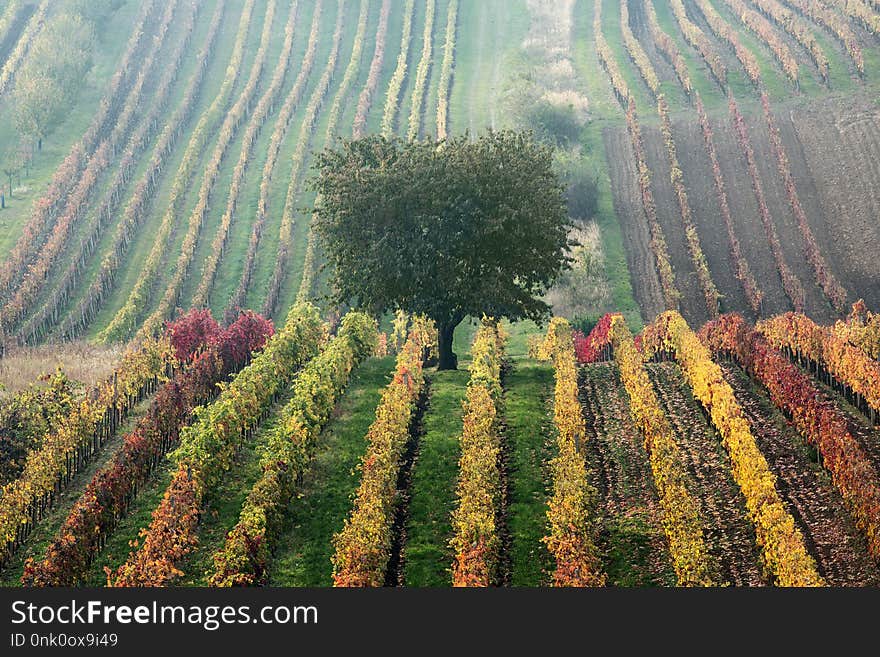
{"x":446,"y":229}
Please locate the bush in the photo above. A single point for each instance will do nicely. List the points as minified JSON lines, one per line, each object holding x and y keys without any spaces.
{"x":581,"y":195}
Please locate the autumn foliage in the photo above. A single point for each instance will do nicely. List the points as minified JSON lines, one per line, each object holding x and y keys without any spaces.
{"x":861,"y":328}
{"x":783,"y":551}
{"x":848,"y":364}
{"x":596,"y":346}
{"x":572,"y":507}
{"x":476,"y":541}
{"x":48,"y":468}
{"x":363,"y":547}
{"x":110,"y":492}
{"x":813,"y":413}
{"x":208,"y":446}
{"x":245,"y":556}
{"x":681,"y":510}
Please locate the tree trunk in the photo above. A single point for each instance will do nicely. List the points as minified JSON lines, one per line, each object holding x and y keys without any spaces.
{"x":448,"y":360}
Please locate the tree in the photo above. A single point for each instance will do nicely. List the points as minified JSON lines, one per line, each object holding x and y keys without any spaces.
{"x":446,"y":229}
{"x":52,"y":74}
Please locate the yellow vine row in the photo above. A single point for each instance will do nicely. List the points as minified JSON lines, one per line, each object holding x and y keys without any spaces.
{"x":571,"y":510}
{"x":476,"y":542}
{"x":681,"y":511}
{"x":363,"y":547}
{"x":781,"y":543}
{"x":227,"y":133}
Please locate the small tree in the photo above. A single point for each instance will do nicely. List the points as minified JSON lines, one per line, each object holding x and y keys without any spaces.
{"x":11,"y":166}
{"x":446,"y":229}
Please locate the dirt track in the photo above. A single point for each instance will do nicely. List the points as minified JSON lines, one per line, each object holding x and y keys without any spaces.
{"x":628,"y":207}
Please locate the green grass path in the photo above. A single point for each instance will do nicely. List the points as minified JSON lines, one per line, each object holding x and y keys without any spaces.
{"x":528,"y":389}
{"x":305,"y":547}
{"x":427,"y":557}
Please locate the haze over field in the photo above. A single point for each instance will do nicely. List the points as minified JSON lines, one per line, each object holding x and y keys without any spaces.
{"x":207,"y":192}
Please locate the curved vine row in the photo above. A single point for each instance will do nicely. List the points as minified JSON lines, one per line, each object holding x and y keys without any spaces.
{"x":306,"y":132}
{"x":606,"y":58}
{"x":671,"y":295}
{"x":824,"y":277}
{"x":254,"y":127}
{"x":681,"y":511}
{"x":136,"y":209}
{"x":848,"y":364}
{"x":122,"y":325}
{"x":446,"y":70}
{"x":834,"y":23}
{"x":66,"y":175}
{"x":14,"y":59}
{"x":365,"y":100}
{"x":788,"y":21}
{"x":48,"y":314}
{"x":209,"y":357}
{"x":78,"y":200}
{"x":282,"y":124}
{"x":790,"y":283}
{"x":710,"y":293}
{"x":812,"y":412}
{"x":781,"y":543}
{"x":721,"y":28}
{"x":667,"y":46}
{"x":636,"y":52}
{"x":245,"y":556}
{"x":395,"y":84}
{"x":418,"y":94}
{"x":231,"y":123}
{"x":695,"y":36}
{"x":49,"y":468}
{"x":759,"y":25}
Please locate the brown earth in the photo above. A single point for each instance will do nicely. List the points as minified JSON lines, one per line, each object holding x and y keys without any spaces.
{"x":816,"y":306}
{"x":631,"y":215}
{"x":730,"y":535}
{"x":839,"y":140}
{"x":706,"y":212}
{"x":833,"y":146}
{"x":621,"y":472}
{"x":693,"y":307}
{"x":829,"y":532}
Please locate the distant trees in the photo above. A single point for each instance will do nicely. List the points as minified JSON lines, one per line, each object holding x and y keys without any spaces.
{"x":52,"y":74}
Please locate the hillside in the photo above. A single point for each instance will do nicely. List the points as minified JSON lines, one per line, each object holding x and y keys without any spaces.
{"x":705,"y":414}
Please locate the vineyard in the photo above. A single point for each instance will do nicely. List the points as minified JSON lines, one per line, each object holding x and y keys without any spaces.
{"x":184,"y":403}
